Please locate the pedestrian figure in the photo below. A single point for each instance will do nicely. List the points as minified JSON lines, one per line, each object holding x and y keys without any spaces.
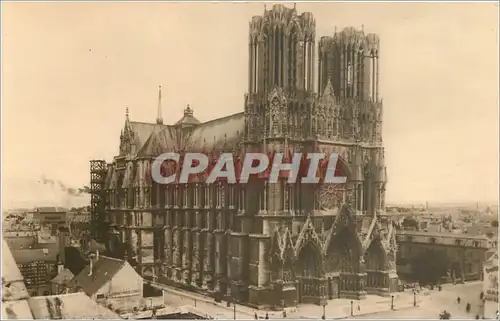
{"x":458,"y":300}
{"x":477,"y":316}
{"x":267,"y":316}
{"x":359,"y":308}
{"x":481,"y":295}
{"x":467,"y":308}
{"x":256,"y":317}
{"x":284,"y":313}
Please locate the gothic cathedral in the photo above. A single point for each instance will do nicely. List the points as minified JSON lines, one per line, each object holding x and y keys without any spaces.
{"x":268,"y":244}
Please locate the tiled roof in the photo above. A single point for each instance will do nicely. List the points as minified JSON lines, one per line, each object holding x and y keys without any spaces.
{"x":69,"y":306}
{"x":103,"y":270}
{"x":25,"y":256}
{"x":217,"y":133}
{"x":142,"y":131}
{"x":63,"y":278}
{"x":159,"y":142}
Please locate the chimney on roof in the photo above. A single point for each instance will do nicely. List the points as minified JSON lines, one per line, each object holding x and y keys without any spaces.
{"x":91,"y":263}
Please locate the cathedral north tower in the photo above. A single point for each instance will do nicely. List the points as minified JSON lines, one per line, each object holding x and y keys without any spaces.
{"x":281,"y":76}
{"x":281,"y":50}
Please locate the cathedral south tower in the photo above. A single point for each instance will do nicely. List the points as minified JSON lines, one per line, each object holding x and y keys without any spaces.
{"x":350,"y":61}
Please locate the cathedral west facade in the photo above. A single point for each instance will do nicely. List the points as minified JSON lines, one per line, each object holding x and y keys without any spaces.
{"x":268,"y":244}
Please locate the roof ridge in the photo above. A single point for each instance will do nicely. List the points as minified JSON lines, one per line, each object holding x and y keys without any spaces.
{"x":111,"y":258}
{"x":220,"y":118}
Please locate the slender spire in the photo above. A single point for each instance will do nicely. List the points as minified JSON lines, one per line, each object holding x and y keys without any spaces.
{"x":159,"y":119}
{"x":126,"y":113}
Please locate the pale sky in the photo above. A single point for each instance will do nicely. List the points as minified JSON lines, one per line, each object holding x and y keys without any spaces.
{"x":69,"y":70}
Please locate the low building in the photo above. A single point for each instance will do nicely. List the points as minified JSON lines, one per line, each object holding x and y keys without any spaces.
{"x":18,"y":242}
{"x":69,"y":306}
{"x":461,"y":255}
{"x":111,"y":282}
{"x":61,"y":282}
{"x":53,"y":217}
{"x":490,"y":288}
{"x":38,"y":267}
{"x":17,"y":304}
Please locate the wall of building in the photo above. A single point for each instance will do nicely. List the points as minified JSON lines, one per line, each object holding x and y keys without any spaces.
{"x":37,"y":276}
{"x":464,"y":256}
{"x":124,"y":291}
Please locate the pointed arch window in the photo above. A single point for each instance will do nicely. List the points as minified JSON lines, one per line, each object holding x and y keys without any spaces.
{"x":349,"y":74}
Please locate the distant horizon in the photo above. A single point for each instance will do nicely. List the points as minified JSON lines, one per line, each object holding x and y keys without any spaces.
{"x":80,"y":203}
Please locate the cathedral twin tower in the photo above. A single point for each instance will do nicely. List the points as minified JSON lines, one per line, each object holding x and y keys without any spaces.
{"x":282,"y":49}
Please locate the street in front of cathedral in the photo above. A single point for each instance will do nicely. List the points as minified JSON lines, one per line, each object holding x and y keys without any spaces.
{"x":427,"y":304}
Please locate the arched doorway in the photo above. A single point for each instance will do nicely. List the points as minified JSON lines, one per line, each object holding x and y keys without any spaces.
{"x":376,"y":263}
{"x":342,"y":259}
{"x":309,"y":271}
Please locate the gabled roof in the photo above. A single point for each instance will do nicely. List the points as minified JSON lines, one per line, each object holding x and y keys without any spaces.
{"x":142,"y":131}
{"x":63,"y":278}
{"x":218,"y":133}
{"x":103,"y":270}
{"x":159,"y":142}
{"x":151,"y":139}
{"x":69,"y":306}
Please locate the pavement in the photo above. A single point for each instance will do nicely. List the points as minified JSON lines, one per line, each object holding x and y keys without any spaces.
{"x":336,"y":309}
{"x":430,"y":304}
{"x":433,"y":304}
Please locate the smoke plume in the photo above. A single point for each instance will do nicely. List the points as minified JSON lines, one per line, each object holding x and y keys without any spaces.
{"x":69,"y":190}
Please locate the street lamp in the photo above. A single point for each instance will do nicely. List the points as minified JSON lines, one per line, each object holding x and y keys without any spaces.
{"x":234,"y":308}
{"x":392,"y":302}
{"x":352,"y":309}
{"x":324,"y":311}
{"x":414,"y":298}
